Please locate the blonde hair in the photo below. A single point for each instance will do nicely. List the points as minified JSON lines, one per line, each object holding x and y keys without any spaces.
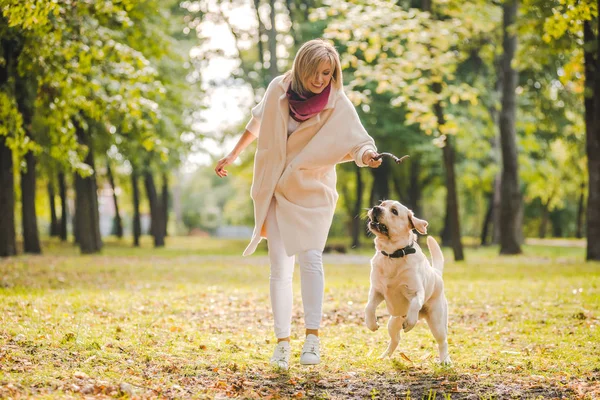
{"x":307,"y":61}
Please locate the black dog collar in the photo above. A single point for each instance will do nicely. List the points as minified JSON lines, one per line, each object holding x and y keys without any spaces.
{"x":400,"y":253}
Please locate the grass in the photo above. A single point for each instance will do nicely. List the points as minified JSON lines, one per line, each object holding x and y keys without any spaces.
{"x":193,"y":320}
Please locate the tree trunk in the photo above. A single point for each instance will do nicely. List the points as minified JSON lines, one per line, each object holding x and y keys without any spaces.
{"x":272,"y":34}
{"x":400,"y":192}
{"x":8,"y":243}
{"x":487,"y":220}
{"x":356,"y":221}
{"x":557,"y":219}
{"x":25,"y":95}
{"x":497,"y":154}
{"x":415,"y":190}
{"x":31,"y":238}
{"x":87,"y":222}
{"x":156,"y":213}
{"x":544,"y":223}
{"x":137,"y":226}
{"x":446,"y":234}
{"x":74,"y":221}
{"x":54,"y":227}
{"x":580,"y":206}
{"x":451,"y":231}
{"x":592,"y":128}
{"x":510,"y":208}
{"x":381,"y":186}
{"x":165,"y":203}
{"x":497,"y":208}
{"x":117,"y":228}
{"x":452,"y":198}
{"x":62,"y":188}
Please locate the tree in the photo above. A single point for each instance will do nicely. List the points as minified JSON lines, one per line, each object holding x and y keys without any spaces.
{"x":117,"y":224}
{"x":94,"y":76}
{"x":25,"y":93}
{"x":165,"y":202}
{"x":156,"y":210}
{"x":137,"y":226}
{"x":8,"y":246}
{"x":62,"y":189}
{"x":592,"y":68}
{"x":87,"y":223}
{"x":511,"y":208}
{"x":11,"y":134}
{"x":54,"y":225}
{"x":571,"y":27}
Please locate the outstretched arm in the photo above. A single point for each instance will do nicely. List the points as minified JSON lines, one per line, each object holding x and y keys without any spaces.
{"x":247,"y":138}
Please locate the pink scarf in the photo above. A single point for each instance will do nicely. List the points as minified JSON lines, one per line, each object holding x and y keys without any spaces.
{"x":303,"y":108}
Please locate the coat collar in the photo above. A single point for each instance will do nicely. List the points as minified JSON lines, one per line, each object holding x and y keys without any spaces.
{"x":285,"y":83}
{"x":284,"y":110}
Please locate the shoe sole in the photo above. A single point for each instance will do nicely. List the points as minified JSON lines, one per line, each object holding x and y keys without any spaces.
{"x":309,"y":363}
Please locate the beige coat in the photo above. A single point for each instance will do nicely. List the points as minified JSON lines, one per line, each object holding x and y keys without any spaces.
{"x":300,"y":171}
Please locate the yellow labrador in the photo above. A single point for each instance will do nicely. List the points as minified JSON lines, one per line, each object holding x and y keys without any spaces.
{"x":402,"y":276}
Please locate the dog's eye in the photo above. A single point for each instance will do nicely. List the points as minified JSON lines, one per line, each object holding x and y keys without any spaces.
{"x":394,"y":211}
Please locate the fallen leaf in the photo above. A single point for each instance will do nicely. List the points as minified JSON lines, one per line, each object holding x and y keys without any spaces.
{"x":81,"y":375}
{"x":405,"y":357}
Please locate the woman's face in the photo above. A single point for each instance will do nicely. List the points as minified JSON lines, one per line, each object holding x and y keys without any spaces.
{"x":321,"y":79}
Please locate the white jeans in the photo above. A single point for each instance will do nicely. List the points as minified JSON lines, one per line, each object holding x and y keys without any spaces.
{"x":282,"y":270}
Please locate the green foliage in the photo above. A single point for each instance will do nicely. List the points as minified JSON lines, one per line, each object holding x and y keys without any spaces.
{"x":407,"y":53}
{"x":99,"y":65}
{"x":567,"y":17}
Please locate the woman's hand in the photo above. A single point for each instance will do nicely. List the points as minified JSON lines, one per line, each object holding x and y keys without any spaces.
{"x":369,"y":159}
{"x":222,"y":163}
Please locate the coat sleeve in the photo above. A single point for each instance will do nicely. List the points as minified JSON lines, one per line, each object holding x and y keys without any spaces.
{"x":253,"y":126}
{"x":355,"y":136}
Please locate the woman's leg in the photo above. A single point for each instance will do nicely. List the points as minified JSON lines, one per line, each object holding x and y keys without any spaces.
{"x":313,"y":283}
{"x":282,"y":271}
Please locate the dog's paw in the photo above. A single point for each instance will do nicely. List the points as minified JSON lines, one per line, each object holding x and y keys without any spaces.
{"x":446,"y":362}
{"x":371,"y":321}
{"x":408,"y":324}
{"x":384,"y":355}
{"x":373,"y":327}
{"x":372,"y":324}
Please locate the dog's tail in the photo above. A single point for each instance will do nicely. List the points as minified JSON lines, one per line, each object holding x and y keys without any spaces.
{"x":437,"y":257}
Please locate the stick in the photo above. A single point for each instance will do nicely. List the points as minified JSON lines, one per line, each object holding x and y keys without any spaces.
{"x":393,"y":157}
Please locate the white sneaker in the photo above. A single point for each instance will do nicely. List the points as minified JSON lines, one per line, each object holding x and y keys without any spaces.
{"x":281,"y":355}
{"x":311,"y":354}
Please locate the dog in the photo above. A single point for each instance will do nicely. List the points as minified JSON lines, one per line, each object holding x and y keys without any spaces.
{"x":402,"y":276}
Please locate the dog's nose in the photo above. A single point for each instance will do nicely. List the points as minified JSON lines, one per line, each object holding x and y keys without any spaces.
{"x":377,"y":210}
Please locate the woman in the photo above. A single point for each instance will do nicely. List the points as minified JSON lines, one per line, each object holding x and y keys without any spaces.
{"x":305,"y":125}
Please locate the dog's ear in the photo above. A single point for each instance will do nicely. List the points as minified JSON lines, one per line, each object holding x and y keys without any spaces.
{"x":419,"y":224}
